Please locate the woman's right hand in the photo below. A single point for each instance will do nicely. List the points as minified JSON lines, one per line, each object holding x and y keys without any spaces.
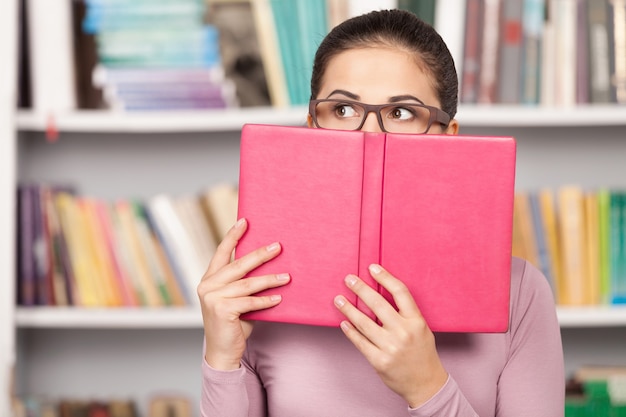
{"x":225,"y":296}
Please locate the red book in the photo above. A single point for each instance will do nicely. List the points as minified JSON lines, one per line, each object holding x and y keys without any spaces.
{"x":434,"y":210}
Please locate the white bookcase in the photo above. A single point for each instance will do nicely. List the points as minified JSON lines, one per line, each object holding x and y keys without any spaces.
{"x":137,"y":352}
{"x":134,"y":353}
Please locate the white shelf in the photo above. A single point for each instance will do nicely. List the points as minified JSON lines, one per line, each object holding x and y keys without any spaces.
{"x":95,"y":121}
{"x":533,"y":116}
{"x":233,"y":119}
{"x":592,"y":316}
{"x":129,"y":318}
{"x":117,"y":318}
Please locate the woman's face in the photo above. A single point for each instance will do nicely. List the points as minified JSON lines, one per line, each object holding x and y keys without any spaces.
{"x":379,"y":75}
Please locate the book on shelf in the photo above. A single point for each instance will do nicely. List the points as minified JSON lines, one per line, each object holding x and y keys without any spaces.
{"x":617,"y":42}
{"x":509,"y":76}
{"x":533,"y":16}
{"x":471,"y":52}
{"x":599,"y":51}
{"x":245,"y":42}
{"x":580,"y":233}
{"x":178,"y":245}
{"x":219,"y":203}
{"x":51,"y":56}
{"x":451,"y":27}
{"x":429,"y":208}
{"x":490,"y":51}
{"x":170,"y":406}
{"x":26,"y":288}
{"x":91,"y":252}
{"x":552,"y":53}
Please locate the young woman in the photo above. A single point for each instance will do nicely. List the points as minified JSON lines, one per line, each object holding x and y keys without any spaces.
{"x":400,"y":368}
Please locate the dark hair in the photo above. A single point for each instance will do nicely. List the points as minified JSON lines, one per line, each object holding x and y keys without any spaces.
{"x":396,"y":28}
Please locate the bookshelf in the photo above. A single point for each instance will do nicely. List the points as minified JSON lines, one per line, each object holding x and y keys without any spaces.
{"x":92,"y":350}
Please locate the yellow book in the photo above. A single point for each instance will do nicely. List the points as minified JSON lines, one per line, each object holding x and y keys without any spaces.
{"x":86,"y":293}
{"x":524,"y":241}
{"x":550,"y":228}
{"x":103,"y":262}
{"x":592,"y":246}
{"x":572,"y":235}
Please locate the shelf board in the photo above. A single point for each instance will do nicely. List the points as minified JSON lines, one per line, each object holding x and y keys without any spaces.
{"x":233,"y":119}
{"x":592,"y":316}
{"x":164,"y":318}
{"x":155,"y":122}
{"x":539,"y":116}
{"x":117,"y":318}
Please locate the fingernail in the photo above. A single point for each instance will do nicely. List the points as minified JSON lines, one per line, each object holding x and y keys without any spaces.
{"x":375,"y":269}
{"x":340,"y":301}
{"x":240,"y":223}
{"x":282,"y":277}
{"x":273,"y":247}
{"x":276,"y":297}
{"x":350,"y":280}
{"x":344,"y":326}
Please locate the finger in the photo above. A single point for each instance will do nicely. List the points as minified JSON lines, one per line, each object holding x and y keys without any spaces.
{"x":360,"y":320}
{"x":244,"y":305}
{"x":398,"y":290}
{"x":226,"y":247}
{"x":362,"y":343}
{"x":372,"y":299}
{"x":253,"y":285}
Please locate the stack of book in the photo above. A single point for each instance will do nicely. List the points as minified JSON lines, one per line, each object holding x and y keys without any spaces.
{"x":156,"y":55}
{"x":76,"y":250}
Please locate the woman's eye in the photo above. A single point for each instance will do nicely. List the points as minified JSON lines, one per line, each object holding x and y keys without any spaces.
{"x":401,"y":113}
{"x":345,"y":110}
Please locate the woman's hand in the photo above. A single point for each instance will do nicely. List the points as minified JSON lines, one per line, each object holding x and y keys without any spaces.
{"x":225,"y":296}
{"x":402,"y":350}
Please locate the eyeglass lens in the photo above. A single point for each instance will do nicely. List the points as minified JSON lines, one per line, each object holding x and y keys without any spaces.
{"x":397,"y":117}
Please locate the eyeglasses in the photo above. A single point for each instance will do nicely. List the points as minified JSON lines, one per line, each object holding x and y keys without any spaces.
{"x":392,"y":117}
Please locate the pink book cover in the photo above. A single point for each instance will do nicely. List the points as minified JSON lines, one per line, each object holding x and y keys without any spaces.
{"x":435,"y":210}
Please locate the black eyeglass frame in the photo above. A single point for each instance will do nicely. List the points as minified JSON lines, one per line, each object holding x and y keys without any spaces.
{"x":436,"y":114}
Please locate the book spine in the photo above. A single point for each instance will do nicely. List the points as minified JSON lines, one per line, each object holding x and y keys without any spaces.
{"x":26,"y":264}
{"x":510,"y":67}
{"x":617,"y":15}
{"x":582,"y":53}
{"x":599,"y":51}
{"x":490,"y":51}
{"x":472,"y":51}
{"x":533,"y":27}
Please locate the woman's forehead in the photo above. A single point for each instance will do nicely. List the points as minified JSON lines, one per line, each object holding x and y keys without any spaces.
{"x":377,"y":73}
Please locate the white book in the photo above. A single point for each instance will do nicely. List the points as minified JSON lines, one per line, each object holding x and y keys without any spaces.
{"x":177,"y":243}
{"x":450,"y":23}
{"x":51,"y":56}
{"x":359,"y":7}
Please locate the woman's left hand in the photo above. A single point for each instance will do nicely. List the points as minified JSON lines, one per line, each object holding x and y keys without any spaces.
{"x":402,"y":349}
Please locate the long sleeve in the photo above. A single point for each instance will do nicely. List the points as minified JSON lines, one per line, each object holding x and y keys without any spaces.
{"x":526,"y":363}
{"x":533,"y":380}
{"x":300,"y":370}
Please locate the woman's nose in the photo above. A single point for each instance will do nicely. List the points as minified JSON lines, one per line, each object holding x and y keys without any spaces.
{"x":371,"y":123}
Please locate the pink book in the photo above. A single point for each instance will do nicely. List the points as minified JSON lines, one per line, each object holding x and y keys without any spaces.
{"x":434,"y":210}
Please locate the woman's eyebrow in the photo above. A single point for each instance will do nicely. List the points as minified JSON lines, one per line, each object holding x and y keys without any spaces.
{"x":345,"y":93}
{"x":404,"y":97}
